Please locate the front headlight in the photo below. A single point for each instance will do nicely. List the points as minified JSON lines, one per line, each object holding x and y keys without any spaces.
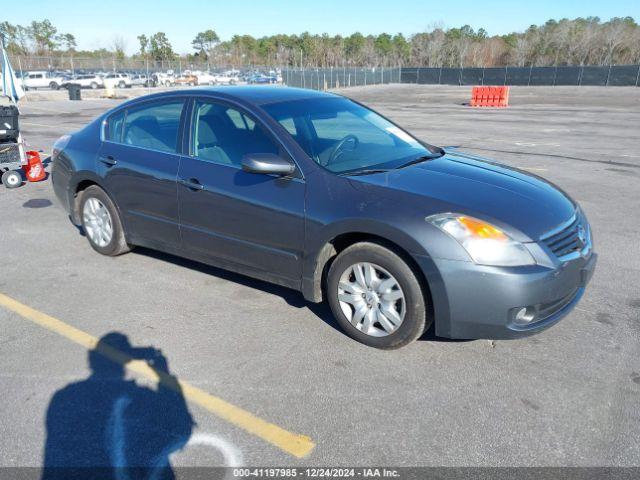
{"x":485,"y":243}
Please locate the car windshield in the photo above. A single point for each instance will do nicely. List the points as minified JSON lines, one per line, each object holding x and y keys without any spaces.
{"x":345,"y":137}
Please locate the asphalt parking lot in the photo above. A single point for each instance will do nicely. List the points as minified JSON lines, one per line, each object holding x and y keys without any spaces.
{"x":566,"y":397}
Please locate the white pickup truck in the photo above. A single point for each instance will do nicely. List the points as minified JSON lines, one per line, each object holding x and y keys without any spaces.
{"x":34,"y":80}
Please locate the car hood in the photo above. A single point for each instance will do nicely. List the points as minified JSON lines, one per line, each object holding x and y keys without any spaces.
{"x":461,"y":183}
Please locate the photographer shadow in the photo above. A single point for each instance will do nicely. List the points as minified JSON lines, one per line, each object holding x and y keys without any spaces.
{"x":109,"y":427}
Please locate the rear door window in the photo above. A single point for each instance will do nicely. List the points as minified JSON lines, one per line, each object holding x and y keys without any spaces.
{"x":153,"y":126}
{"x":113,"y":131}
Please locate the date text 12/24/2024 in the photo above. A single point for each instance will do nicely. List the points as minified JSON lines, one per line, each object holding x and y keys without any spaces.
{"x":316,"y":472}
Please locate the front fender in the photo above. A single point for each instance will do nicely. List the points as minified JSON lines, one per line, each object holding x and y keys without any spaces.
{"x":320,"y":248}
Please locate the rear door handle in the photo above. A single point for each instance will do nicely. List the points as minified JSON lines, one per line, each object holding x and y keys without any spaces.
{"x":192,"y":183}
{"x":109,"y":160}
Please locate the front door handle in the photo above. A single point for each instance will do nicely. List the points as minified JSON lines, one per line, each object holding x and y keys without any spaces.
{"x":109,"y":160}
{"x":192,"y":183}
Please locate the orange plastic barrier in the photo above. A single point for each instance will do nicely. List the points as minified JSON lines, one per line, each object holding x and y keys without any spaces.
{"x":489,"y":97}
{"x":34,"y":168}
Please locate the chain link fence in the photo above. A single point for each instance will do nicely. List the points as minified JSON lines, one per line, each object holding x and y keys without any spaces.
{"x":318,"y":78}
{"x":78,"y":65}
{"x":336,"y":77}
{"x":614,"y":75}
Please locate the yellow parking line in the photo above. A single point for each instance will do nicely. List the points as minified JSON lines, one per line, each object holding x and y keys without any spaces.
{"x":292,"y":443}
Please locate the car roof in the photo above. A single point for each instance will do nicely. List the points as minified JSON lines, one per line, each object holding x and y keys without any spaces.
{"x":262,"y":95}
{"x":257,"y":95}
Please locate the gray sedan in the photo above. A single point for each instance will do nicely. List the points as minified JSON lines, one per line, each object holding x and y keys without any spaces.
{"x":318,"y":193}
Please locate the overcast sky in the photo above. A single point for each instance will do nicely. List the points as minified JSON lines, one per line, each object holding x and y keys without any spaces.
{"x":95,"y":24}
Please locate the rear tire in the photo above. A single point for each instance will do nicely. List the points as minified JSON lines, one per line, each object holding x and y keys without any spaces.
{"x":395,"y":291}
{"x":94,"y":85}
{"x":92,"y":219}
{"x":54,"y":86}
{"x":11,"y":179}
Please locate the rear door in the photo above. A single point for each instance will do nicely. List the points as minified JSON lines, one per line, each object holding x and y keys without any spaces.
{"x":139,"y":162}
{"x":253,"y":220}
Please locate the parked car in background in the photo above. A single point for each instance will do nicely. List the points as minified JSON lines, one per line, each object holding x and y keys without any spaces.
{"x":187,"y":79}
{"x":318,"y":193}
{"x":277,"y":74}
{"x":139,"y":80}
{"x":261,"y":78}
{"x":43,"y":79}
{"x":226,"y":78}
{"x":115,"y":79}
{"x":161,"y":79}
{"x":84,"y":81}
{"x":233,"y":74}
{"x":205,"y":78}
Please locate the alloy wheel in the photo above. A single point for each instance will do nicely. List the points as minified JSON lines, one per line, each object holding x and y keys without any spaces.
{"x":97,"y":222}
{"x":371,"y":299}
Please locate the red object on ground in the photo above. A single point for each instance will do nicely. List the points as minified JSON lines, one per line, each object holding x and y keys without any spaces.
{"x":34,"y":169}
{"x":489,"y":97}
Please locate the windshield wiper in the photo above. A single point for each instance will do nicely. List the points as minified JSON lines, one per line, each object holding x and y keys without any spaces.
{"x":420,"y":159}
{"x":365,"y":171}
{"x":369,"y":171}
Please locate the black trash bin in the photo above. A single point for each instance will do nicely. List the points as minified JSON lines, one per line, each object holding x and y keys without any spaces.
{"x":74,"y":92}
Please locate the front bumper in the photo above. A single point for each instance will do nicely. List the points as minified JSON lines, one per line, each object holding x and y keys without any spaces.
{"x":473,"y":301}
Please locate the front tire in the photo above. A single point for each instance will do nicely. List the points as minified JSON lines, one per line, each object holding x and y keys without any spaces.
{"x":376,"y":297}
{"x":101,"y":223}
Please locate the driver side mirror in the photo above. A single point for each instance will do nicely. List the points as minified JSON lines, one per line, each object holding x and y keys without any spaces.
{"x":267,"y":163}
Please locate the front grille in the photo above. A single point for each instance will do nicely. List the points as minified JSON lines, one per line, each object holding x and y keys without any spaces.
{"x":572,"y":238}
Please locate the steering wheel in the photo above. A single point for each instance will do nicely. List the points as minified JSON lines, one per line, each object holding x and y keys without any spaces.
{"x":339,"y":147}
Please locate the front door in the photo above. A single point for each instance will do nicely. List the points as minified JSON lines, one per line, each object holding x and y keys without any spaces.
{"x":252,"y":220}
{"x":139,"y":163}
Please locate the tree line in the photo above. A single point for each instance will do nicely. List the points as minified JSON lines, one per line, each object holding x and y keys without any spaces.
{"x":581,"y":41}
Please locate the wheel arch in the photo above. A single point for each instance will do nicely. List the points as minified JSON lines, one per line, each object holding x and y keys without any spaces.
{"x":79,"y":185}
{"x":313,"y":284}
